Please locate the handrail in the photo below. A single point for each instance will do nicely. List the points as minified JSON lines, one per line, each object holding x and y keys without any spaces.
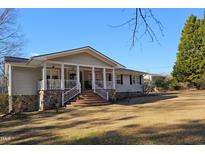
{"x":70,"y":94}
{"x":101,"y":92}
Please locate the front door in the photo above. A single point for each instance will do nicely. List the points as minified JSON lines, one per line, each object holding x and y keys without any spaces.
{"x":87,"y":80}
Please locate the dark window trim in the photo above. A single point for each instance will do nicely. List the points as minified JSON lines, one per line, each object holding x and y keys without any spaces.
{"x":121,"y":79}
{"x":140,"y":79}
{"x":130,"y":79}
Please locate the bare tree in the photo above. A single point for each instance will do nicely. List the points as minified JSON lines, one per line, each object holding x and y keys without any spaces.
{"x":140,"y":25}
{"x":11,"y":41}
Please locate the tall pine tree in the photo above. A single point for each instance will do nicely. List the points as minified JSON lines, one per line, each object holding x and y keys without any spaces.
{"x":190,"y":58}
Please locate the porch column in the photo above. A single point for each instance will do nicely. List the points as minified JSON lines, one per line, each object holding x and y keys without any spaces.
{"x":113,"y":78}
{"x":93,"y":78}
{"x":78,"y":74}
{"x":44,"y":78}
{"x":62,"y":77}
{"x":104,"y":79}
{"x":10,"y":88}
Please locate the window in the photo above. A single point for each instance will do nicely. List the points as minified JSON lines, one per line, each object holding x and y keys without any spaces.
{"x":89,"y":76}
{"x":53,"y":74}
{"x":72,"y":76}
{"x":108,"y":77}
{"x":48,"y":73}
{"x":118,"y":79}
{"x":98,"y":77}
{"x":136,"y":79}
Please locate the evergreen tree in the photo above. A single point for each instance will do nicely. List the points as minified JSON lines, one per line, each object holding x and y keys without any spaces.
{"x":189,"y":66}
{"x":201,"y":79}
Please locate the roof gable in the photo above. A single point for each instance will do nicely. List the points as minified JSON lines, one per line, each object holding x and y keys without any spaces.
{"x":83,"y":58}
{"x":86,"y":49}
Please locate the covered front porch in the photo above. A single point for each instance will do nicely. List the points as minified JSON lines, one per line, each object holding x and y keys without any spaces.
{"x":63,"y":76}
{"x":72,"y":79}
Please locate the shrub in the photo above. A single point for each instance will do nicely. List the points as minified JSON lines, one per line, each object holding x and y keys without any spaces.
{"x":161,"y":83}
{"x":148,"y":87}
{"x":201,"y":82}
{"x":3,"y":103}
{"x":174,"y":84}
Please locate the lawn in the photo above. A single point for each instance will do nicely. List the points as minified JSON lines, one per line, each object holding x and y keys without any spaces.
{"x":170,"y":118}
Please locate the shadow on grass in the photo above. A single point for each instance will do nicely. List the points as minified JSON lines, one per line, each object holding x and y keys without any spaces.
{"x":191,"y":132}
{"x":147,"y":99}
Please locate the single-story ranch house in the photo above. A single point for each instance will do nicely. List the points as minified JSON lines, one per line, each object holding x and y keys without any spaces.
{"x":82,"y":76}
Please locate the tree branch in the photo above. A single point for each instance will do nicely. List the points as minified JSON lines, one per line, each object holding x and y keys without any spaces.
{"x":140,"y":25}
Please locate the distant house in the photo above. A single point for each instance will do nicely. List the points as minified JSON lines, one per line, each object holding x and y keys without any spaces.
{"x":152,"y":77}
{"x":68,"y":74}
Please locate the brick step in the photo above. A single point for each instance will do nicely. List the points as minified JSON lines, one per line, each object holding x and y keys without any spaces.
{"x":84,"y":96}
{"x":89,"y":95}
{"x":92,"y":96}
{"x":92,"y":104}
{"x":84,"y":101}
{"x":88,"y":99}
{"x":87,"y":92}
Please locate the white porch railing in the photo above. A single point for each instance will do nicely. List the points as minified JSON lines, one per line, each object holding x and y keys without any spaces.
{"x":69,"y":84}
{"x":40,"y":85}
{"x":109,"y":84}
{"x":68,"y":95}
{"x":99,"y":83}
{"x":101,"y":92}
{"x":54,"y":84}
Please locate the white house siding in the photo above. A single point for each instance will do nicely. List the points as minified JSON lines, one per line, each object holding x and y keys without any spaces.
{"x":24,"y":80}
{"x":127,"y":87}
{"x":84,"y":59}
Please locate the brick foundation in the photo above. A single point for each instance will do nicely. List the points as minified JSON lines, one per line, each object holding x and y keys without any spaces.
{"x":25,"y":102}
{"x":49,"y":99}
{"x":123,"y":95}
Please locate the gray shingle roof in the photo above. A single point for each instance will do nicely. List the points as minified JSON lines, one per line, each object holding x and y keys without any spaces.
{"x":15,"y":59}
{"x":130,"y":70}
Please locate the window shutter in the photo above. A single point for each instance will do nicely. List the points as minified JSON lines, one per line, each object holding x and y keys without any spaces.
{"x":121,"y":79}
{"x":130,"y":79}
{"x":140,"y":79}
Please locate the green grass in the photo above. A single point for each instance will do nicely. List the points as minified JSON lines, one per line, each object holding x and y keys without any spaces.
{"x":170,"y":118}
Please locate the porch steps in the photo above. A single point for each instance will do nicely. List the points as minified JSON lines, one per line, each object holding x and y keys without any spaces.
{"x":89,"y":98}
